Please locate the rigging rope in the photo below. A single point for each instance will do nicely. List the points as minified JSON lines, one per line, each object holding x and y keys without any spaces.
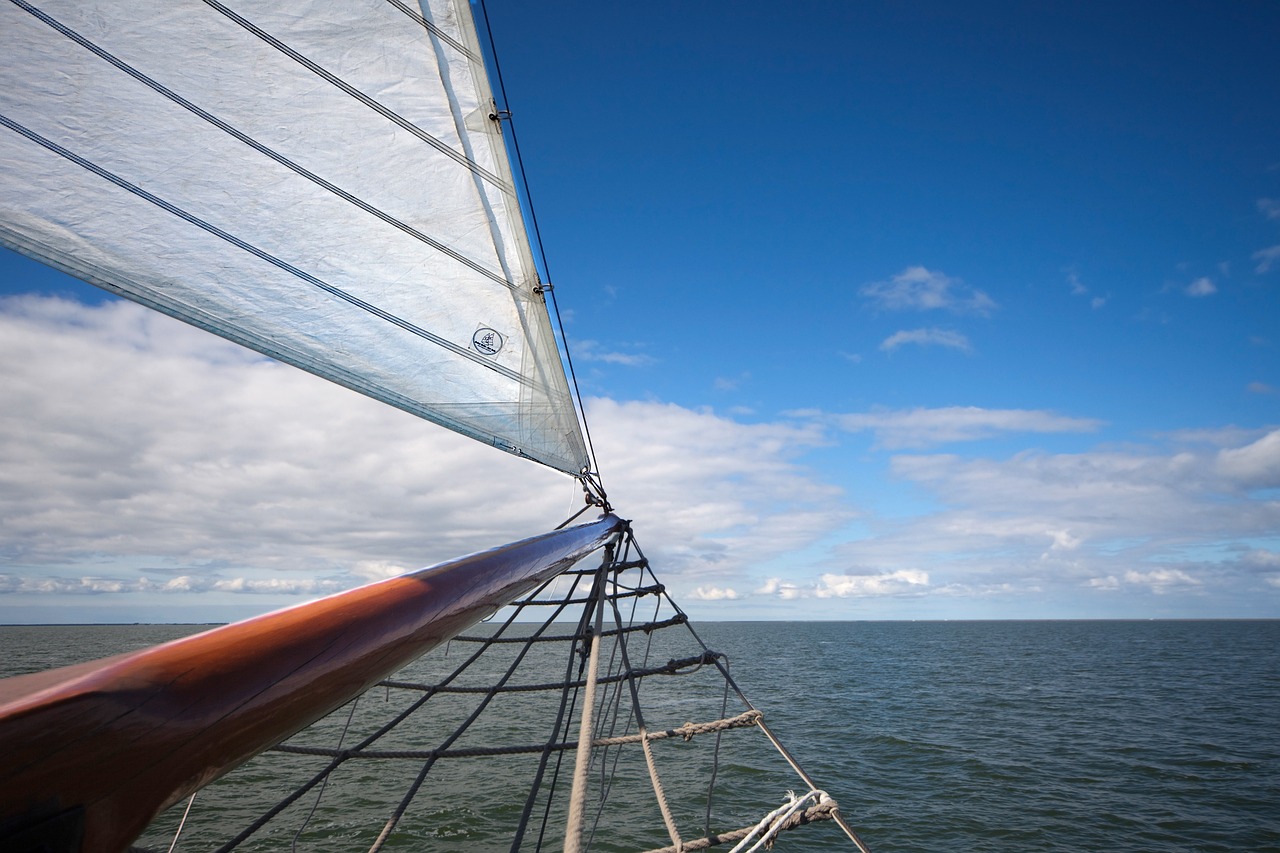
{"x":577,"y":798}
{"x":771,"y":824}
{"x":185,"y":814}
{"x":823,"y":811}
{"x":687,"y":732}
{"x":592,"y":478}
{"x":293,"y":847}
{"x":640,"y":669}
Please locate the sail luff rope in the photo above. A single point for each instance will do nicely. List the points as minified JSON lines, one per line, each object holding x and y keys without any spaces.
{"x":587,"y":477}
{"x":436,"y":31}
{"x":469,"y":146}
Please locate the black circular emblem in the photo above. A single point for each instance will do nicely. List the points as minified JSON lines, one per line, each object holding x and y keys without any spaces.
{"x":487,"y":341}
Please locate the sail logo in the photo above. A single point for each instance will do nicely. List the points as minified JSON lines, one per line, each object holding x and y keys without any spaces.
{"x":487,"y":341}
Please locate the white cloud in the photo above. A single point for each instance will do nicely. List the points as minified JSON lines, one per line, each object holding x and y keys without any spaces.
{"x":927,"y":337}
{"x":1217,"y":437}
{"x":1063,"y":540}
{"x":712,"y":593}
{"x":131,"y":440}
{"x":1254,"y":466}
{"x":885,"y":583}
{"x":1161,"y":581}
{"x":920,"y":289}
{"x":1116,"y":527}
{"x":589,"y":350}
{"x":1269,"y":207}
{"x":1261,"y":388}
{"x":1262,"y":560}
{"x":922,"y":427}
{"x":1103,"y":487}
{"x":845,"y":585}
{"x":376,"y":570}
{"x":1266,"y":257}
{"x":182,"y":584}
{"x":786,"y":590}
{"x":716,"y":495}
{"x":1077,"y":287}
{"x":141,"y":458}
{"x":727,"y":383}
{"x":1201,"y":287}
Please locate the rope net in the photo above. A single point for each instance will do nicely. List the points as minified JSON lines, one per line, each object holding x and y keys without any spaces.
{"x":474,"y":745}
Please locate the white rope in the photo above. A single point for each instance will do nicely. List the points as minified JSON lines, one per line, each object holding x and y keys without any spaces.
{"x":658,"y":792}
{"x":578,"y":795}
{"x":182,"y":823}
{"x":772,"y":823}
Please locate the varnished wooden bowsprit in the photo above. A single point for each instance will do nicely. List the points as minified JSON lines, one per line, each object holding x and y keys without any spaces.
{"x":90,"y":754}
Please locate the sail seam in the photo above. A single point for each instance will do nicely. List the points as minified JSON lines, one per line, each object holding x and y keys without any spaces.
{"x":448,"y":83}
{"x":260,"y":253}
{"x":352,"y":91}
{"x":435,"y":30}
{"x":265,"y":150}
{"x":584,"y":476}
{"x":187,"y":314}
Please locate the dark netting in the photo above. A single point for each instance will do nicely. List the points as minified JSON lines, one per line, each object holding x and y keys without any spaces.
{"x":474,"y":745}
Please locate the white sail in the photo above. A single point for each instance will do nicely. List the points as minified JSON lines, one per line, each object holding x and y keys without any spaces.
{"x":319,"y":180}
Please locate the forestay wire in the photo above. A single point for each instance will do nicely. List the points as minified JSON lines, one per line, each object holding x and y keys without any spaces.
{"x":476,"y":742}
{"x":592,"y":480}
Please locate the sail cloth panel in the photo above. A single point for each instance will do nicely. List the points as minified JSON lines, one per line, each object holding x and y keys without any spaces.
{"x":319,"y":180}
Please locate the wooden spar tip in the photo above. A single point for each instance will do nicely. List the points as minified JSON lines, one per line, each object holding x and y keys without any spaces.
{"x":93,"y":752}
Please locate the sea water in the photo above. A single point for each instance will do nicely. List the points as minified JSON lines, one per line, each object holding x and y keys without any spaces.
{"x":933,"y":736}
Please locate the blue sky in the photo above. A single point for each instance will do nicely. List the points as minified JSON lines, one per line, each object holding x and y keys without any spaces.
{"x":882,"y":310}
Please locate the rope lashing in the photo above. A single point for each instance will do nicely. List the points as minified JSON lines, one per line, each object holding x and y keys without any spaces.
{"x":771,"y":824}
{"x":822,"y":811}
{"x":687,"y":732}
